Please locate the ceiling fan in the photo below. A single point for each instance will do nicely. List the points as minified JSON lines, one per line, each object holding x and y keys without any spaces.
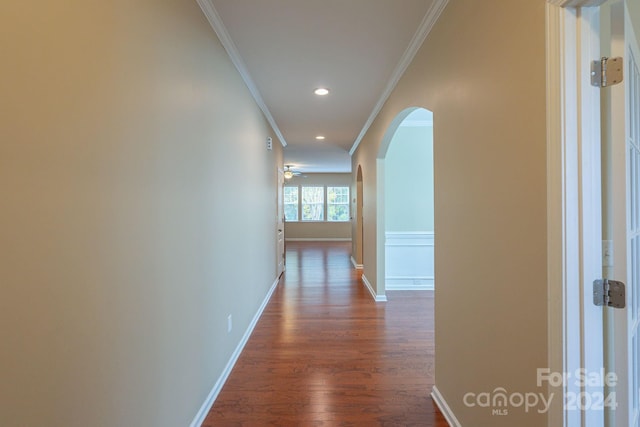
{"x":289,"y":173}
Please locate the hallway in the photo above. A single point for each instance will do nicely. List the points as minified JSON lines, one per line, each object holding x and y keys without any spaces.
{"x":325,"y":354}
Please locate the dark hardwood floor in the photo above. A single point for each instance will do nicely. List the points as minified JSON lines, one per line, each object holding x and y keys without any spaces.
{"x":325,"y":354}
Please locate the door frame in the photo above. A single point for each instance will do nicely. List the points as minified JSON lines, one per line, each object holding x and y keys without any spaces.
{"x":574,"y":228}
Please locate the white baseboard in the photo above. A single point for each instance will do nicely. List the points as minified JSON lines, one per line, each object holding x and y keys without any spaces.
{"x":318,"y":239}
{"x":217,"y":388}
{"x":377,"y":298}
{"x":409,"y":284}
{"x":444,"y":408}
{"x":356,"y":265}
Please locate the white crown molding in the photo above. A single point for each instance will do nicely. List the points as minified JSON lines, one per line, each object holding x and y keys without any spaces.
{"x":576,"y":3}
{"x":429,"y":20}
{"x":216,"y":23}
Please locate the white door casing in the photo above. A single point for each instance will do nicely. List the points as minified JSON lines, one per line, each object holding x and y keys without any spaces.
{"x":574,"y":214}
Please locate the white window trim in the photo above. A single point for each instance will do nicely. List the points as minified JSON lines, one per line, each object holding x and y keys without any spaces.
{"x":326,"y":205}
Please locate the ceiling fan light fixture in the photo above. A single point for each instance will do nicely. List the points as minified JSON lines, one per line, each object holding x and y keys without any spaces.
{"x":288,"y":173}
{"x":321,"y":91}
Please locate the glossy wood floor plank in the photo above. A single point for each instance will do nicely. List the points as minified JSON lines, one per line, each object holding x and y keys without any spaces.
{"x":325,"y":354}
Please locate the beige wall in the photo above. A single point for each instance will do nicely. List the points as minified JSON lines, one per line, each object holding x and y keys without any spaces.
{"x":126,"y":237}
{"x":320,"y":230}
{"x":482,"y":72}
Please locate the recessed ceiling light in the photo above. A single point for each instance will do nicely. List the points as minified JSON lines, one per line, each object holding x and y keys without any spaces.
{"x":321,"y":91}
{"x":320,"y":137}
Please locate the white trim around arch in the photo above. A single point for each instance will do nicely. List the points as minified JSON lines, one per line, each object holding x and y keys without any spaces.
{"x":380,"y":198}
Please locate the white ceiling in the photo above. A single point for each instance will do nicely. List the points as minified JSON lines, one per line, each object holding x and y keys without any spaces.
{"x":286,"y":48}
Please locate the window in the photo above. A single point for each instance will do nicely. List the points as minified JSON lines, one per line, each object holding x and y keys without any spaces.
{"x":330,"y":204}
{"x":291,"y":203}
{"x":313,"y":203}
{"x":337,"y":203}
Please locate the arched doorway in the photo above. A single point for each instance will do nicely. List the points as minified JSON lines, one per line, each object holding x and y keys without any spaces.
{"x":405,"y":198}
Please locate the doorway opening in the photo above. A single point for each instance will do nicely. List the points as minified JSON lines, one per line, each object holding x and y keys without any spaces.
{"x":406,"y":232}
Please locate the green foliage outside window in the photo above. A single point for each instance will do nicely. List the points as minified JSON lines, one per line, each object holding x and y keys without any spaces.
{"x":309,"y":203}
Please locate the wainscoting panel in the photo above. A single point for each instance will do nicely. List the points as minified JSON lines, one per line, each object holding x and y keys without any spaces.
{"x":409,"y":260}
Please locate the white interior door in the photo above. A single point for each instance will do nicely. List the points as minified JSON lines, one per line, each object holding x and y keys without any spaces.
{"x":624,"y":349}
{"x":359,"y":219}
{"x":280,"y":257}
